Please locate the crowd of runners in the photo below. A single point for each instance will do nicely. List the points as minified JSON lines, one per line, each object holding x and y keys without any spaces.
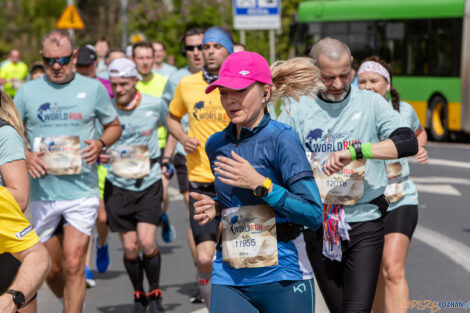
{"x":289,"y":172}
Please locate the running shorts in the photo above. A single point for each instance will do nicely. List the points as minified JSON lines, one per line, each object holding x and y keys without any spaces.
{"x":179,"y":161}
{"x":402,"y":220}
{"x":79,"y":213}
{"x":126,"y":208}
{"x":278,"y":297}
{"x":209,"y":231}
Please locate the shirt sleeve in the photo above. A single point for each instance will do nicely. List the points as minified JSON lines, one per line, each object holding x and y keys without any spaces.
{"x":104,"y":109}
{"x":163,"y":112}
{"x":300,"y":204}
{"x":386,"y":118}
{"x":415,"y":124}
{"x":12,"y":145}
{"x":177,"y":106}
{"x":19,"y":103}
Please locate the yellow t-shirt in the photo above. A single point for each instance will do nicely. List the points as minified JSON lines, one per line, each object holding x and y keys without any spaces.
{"x":14,"y":74}
{"x":206,"y":117}
{"x":155,"y":87}
{"x":16,"y":233}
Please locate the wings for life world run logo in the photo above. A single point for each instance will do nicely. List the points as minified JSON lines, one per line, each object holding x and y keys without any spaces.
{"x":318,"y":140}
{"x":129,"y":131}
{"x":202,"y":112}
{"x":48,"y":112}
{"x":240,"y":224}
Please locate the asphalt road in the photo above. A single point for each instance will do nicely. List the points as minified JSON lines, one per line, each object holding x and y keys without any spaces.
{"x":438,"y":267}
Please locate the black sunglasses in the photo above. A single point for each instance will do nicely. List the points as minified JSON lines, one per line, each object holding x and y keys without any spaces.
{"x":62,"y":60}
{"x":191,"y":48}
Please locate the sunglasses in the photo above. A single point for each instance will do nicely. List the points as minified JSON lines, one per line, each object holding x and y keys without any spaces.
{"x":191,"y":48}
{"x":62,"y":60}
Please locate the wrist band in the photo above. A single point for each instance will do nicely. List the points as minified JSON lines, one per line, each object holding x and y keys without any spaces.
{"x":357,"y":147}
{"x":166,"y":158}
{"x":352,"y":151}
{"x":367,"y":150}
{"x":102,"y":142}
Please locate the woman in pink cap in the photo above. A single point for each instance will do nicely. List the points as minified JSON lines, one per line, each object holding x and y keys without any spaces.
{"x":402,"y":215}
{"x":265,"y":195}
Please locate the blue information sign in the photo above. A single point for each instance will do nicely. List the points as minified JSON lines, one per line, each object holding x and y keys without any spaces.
{"x":257,"y":14}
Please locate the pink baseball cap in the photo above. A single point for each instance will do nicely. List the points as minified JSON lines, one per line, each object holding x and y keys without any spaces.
{"x":240,"y":70}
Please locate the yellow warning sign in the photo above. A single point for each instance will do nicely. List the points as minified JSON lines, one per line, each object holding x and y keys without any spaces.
{"x":70,"y":19}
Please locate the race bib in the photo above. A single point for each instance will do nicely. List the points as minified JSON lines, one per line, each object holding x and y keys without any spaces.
{"x":395,"y":189}
{"x":249,"y":236}
{"x":132,"y":162}
{"x":61,"y":154}
{"x":345,"y":187}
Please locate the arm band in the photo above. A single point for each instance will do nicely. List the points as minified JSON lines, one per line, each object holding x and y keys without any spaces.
{"x":405,"y":141}
{"x":353,"y":152}
{"x":102,"y":142}
{"x":367,"y":150}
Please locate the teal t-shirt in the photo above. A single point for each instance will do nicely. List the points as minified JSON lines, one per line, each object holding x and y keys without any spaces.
{"x":325,"y":127}
{"x":12,"y":146}
{"x":410,"y":197}
{"x":168,"y":95}
{"x":166,"y":70}
{"x":139,"y":127}
{"x":69,"y":109}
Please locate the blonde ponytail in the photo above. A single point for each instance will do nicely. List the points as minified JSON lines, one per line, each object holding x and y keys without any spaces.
{"x":295,"y":78}
{"x":9,"y":114}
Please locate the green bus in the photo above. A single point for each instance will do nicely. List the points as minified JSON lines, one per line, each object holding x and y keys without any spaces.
{"x":427,"y":43}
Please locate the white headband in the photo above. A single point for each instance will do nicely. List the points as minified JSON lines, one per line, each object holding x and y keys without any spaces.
{"x":371,"y":66}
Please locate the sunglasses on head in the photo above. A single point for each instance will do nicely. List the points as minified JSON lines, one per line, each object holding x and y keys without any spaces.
{"x":62,"y":60}
{"x":191,"y":48}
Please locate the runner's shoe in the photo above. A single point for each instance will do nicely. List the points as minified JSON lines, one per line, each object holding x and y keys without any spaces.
{"x":155,"y":301}
{"x":168,"y":232}
{"x":140,"y":302}
{"x":90,"y":280}
{"x":102,"y":257}
{"x":197,"y":298}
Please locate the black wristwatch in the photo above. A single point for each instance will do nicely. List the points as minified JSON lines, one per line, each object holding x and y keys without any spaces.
{"x":263,"y":190}
{"x":18,"y":298}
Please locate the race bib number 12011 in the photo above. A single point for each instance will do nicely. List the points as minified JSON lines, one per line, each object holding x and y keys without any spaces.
{"x":249,"y":236}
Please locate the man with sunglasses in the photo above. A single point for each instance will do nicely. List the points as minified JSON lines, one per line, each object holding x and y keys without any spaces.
{"x":61,"y":111}
{"x":191,"y":48}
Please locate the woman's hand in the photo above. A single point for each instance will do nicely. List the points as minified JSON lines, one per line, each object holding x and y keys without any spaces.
{"x":422,"y":155}
{"x":336,"y":161}
{"x":238,"y":172}
{"x":204,"y":208}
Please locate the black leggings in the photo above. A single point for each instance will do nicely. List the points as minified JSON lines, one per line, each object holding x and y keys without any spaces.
{"x":349,"y":286}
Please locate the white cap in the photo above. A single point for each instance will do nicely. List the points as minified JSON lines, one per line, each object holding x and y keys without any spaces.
{"x":123,"y":67}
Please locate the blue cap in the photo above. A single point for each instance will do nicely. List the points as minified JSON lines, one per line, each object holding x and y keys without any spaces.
{"x":218,"y":35}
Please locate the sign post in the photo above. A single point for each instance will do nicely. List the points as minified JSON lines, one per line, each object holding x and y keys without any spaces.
{"x":258,"y":15}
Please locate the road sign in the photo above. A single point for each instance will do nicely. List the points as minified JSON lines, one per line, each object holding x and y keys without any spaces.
{"x":70,"y":19}
{"x":257,"y":14}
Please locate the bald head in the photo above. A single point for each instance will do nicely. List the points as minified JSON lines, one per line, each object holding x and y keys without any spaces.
{"x":57,"y":38}
{"x":14,"y":56}
{"x":330,"y":48}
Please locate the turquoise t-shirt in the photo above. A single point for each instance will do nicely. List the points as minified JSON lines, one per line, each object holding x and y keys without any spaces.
{"x":166,"y":70}
{"x":69,"y":109}
{"x":12,"y":146}
{"x":325,"y":127}
{"x":409,"y":119}
{"x":139,"y":127}
{"x":168,"y":95}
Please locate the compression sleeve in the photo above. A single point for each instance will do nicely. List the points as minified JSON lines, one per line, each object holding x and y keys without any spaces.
{"x":300,"y":204}
{"x":405,"y":142}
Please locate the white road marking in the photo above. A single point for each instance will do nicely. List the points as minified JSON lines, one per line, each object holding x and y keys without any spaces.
{"x":438,"y":189}
{"x":443,"y":162}
{"x":442,"y":180}
{"x":451,"y":248}
{"x":203,"y":310}
{"x":174,"y":194}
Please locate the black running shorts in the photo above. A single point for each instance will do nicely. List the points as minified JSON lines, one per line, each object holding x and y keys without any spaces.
{"x":179,"y":161}
{"x":402,"y":220}
{"x":126,"y":208}
{"x":209,"y":231}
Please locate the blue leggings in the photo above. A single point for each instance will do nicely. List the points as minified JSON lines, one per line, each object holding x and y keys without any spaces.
{"x":284,"y":297}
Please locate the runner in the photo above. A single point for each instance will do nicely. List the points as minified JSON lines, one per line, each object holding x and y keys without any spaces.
{"x":23,"y":271}
{"x":133,"y":188}
{"x":102,"y":49}
{"x":206,"y":116}
{"x":191,"y":48}
{"x":342,"y":125}
{"x":265,"y":190}
{"x":237,"y":47}
{"x":61,"y":111}
{"x":13,"y":74}
{"x":37,"y":70}
{"x":159,"y":66}
{"x":402,"y":215}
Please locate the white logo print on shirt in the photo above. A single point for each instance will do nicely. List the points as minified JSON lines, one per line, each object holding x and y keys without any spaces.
{"x":356,"y":116}
{"x":244,"y":73}
{"x":81,"y":95}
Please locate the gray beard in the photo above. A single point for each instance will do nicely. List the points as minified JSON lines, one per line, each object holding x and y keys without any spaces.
{"x":332,"y":98}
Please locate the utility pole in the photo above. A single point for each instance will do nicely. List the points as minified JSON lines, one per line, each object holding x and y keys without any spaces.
{"x":124,"y":24}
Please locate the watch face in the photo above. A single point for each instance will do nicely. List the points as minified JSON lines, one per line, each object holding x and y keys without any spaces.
{"x":261,"y":191}
{"x":18,"y":298}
